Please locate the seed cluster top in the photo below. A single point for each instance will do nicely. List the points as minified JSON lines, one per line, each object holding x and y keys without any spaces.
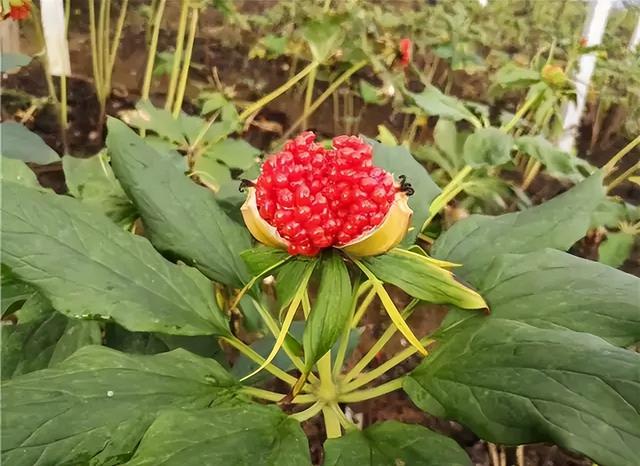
{"x":317,"y":198}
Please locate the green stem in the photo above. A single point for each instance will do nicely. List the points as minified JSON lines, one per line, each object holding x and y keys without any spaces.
{"x":311,"y":80}
{"x":177,"y":56}
{"x":609,"y":166}
{"x":308,"y":413}
{"x":258,"y":104}
{"x":153,"y":48}
{"x":378,"y":345}
{"x":255,"y":357}
{"x":325,"y":95}
{"x":380,"y":390}
{"x":344,"y":338}
{"x":116,"y":37}
{"x":362,"y":308}
{"x":184,"y":74}
{"x":276,"y":397}
{"x":449,"y":192}
{"x":380,"y":370}
{"x":521,"y":111}
{"x":346,"y":424}
{"x":94,"y":50}
{"x":106,"y":48}
{"x":619,"y":179}
{"x":101,"y":45}
{"x":331,"y":423}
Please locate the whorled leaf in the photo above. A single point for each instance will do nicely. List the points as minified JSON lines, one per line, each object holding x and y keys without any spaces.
{"x":87,"y":266}
{"x":94,"y":407}
{"x":242,"y":435}
{"x":512,"y":383}
{"x":180,"y":217}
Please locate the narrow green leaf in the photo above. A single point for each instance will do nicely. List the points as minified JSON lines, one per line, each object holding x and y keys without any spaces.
{"x":262,"y":257}
{"x":92,"y":181}
{"x":512,"y":383}
{"x":512,"y":76}
{"x":234,"y":153}
{"x":150,"y":118}
{"x":21,"y":144}
{"x":394,"y":443}
{"x":487,"y":147}
{"x":331,"y":311}
{"x":95,"y":406}
{"x":616,"y":249}
{"x":288,"y":278}
{"x":422,"y":278}
{"x":180,"y":217}
{"x":558,"y":163}
{"x":89,"y":267}
{"x":16,"y":171}
{"x":244,"y":435}
{"x":12,"y":62}
{"x":399,"y":161}
{"x":557,"y":223}
{"x":434,"y":103}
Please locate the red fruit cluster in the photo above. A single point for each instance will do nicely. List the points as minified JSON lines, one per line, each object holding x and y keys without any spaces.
{"x":18,"y":12}
{"x":406,"y":51}
{"x":317,"y":198}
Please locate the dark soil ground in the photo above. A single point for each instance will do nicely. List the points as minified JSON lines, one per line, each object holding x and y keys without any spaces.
{"x":251,"y":78}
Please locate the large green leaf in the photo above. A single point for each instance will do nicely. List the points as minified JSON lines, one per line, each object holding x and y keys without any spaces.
{"x":423,"y":278}
{"x":557,"y":162}
{"x":487,"y":147}
{"x":44,"y":342}
{"x":331,"y":311}
{"x":323,"y":36}
{"x":616,"y":249}
{"x":434,"y":103}
{"x":17,"y":171}
{"x":553,"y":289}
{"x":92,"y":181}
{"x":399,"y":161}
{"x":87,"y":266}
{"x":13,"y":292}
{"x":244,"y":435}
{"x":20,"y":143}
{"x":180,"y":217}
{"x":512,"y":383}
{"x":94,"y":407}
{"x":557,"y":223}
{"x":393,"y":443}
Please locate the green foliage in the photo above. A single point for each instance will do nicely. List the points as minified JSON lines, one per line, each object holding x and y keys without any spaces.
{"x":487,"y":147}
{"x":21,"y":144}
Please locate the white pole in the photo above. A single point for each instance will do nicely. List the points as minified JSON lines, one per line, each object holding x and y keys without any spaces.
{"x":635,"y":37}
{"x":594,"y":27}
{"x":55,"y":37}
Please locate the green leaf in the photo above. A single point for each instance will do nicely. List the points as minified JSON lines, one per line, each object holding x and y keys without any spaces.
{"x":553,"y":289}
{"x":512,"y":383}
{"x":288,"y":278}
{"x":330,"y":313}
{"x":434,"y":103}
{"x":21,"y":144}
{"x":246,"y":435}
{"x":16,"y":171}
{"x":369,"y":93}
{"x":95,"y":406}
{"x":13,"y":292}
{"x":212,"y":101}
{"x":399,"y":161}
{"x":558,"y":162}
{"x":275,"y":44}
{"x":234,"y":153}
{"x":12,"y":62}
{"x":423,"y":278}
{"x":323,"y":37}
{"x":557,"y":223}
{"x":487,"y":147}
{"x":180,"y":217}
{"x":449,"y":141}
{"x":616,"y":249}
{"x":394,"y":443}
{"x":92,"y":181}
{"x":512,"y":76}
{"x":89,"y":267}
{"x":150,"y":118}
{"x":262,"y":257}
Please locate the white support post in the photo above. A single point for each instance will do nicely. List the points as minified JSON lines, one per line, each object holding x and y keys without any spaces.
{"x":635,"y":37}
{"x":594,"y":28}
{"x":55,"y":37}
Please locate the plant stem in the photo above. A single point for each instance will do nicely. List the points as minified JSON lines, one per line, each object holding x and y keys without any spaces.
{"x":258,"y":104}
{"x":276,"y":397}
{"x":116,"y":38}
{"x":521,"y":111}
{"x":255,"y":357}
{"x":331,"y":423}
{"x":380,"y":390}
{"x":608,"y":167}
{"x":449,"y":192}
{"x":362,"y":308}
{"x":380,"y":370}
{"x":330,"y":90}
{"x":153,"y":48}
{"x":311,"y":80}
{"x":346,"y":332}
{"x":184,"y":74}
{"x":530,"y":172}
{"x":344,"y":422}
{"x":378,"y":345}
{"x":177,"y":56}
{"x":622,"y":177}
{"x":308,"y":413}
{"x":94,"y":50}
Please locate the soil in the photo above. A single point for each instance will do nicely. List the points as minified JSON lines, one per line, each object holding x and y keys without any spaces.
{"x":250,"y":79}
